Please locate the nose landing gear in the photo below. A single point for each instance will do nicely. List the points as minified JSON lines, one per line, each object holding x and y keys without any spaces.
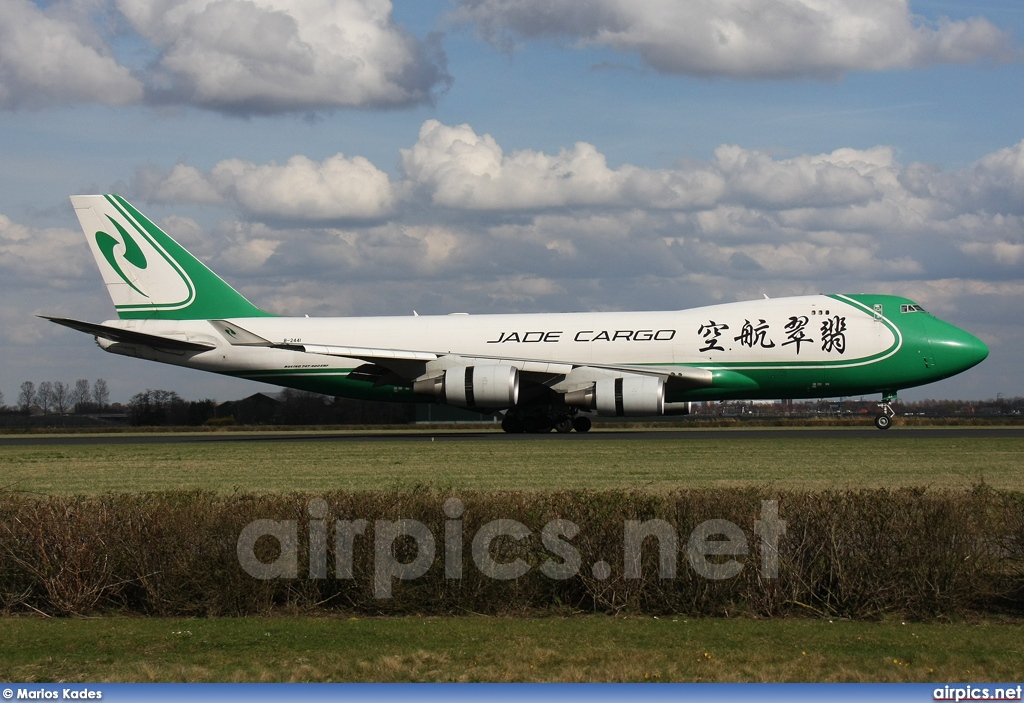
{"x":883,"y":420}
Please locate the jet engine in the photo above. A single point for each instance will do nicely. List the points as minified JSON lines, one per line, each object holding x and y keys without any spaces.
{"x":618,"y":397}
{"x":474,"y":386}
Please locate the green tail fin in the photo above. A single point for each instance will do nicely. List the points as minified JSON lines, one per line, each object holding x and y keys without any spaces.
{"x":148,"y":274}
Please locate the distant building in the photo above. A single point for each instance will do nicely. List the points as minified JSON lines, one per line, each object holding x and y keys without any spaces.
{"x":257,"y":409}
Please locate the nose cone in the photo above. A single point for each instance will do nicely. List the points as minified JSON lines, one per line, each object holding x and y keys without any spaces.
{"x":956,"y":349}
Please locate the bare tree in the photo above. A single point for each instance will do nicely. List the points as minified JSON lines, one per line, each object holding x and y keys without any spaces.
{"x":26,"y":397}
{"x":1,"y":399}
{"x":156,"y":407}
{"x":61,"y":397}
{"x":44,"y":396}
{"x":81,"y":395}
{"x":100,"y":394}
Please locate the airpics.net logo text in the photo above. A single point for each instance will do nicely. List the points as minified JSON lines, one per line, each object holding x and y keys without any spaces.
{"x":712,"y":549}
{"x":977,"y":693}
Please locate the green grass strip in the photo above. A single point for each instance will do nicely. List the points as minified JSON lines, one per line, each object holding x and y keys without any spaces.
{"x":315,"y":466}
{"x":505,"y":649}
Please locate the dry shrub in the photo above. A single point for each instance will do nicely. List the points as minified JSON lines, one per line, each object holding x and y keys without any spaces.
{"x":854,"y":554}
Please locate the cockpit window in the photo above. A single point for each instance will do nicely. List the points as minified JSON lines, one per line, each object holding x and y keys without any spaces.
{"x":911,"y":308}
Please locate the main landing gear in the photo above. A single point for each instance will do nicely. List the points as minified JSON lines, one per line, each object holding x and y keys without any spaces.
{"x":543,"y":420}
{"x":883,"y":420}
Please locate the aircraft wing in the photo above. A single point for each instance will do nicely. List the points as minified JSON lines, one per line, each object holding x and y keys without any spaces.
{"x":116,"y":334}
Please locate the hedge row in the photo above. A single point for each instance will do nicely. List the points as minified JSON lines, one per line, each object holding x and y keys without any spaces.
{"x":851,"y":554}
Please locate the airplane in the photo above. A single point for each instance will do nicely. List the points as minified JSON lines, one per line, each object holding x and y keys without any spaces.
{"x":544,"y":372}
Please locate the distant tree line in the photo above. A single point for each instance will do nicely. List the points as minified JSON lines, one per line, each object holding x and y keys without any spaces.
{"x":289,"y":407}
{"x":156,"y":407}
{"x":159,"y":407}
{"x":294,"y":407}
{"x":58,"y":397}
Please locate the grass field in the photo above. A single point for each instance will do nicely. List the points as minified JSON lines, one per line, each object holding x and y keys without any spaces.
{"x":505,"y":649}
{"x":888,"y":460}
{"x":593,"y":648}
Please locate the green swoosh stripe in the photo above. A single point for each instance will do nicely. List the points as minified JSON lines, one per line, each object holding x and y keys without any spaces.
{"x":132,"y":253}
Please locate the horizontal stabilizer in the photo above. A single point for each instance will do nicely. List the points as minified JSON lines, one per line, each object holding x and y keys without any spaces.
{"x":116,"y":334}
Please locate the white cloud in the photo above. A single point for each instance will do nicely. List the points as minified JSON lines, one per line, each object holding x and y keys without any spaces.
{"x":53,"y":57}
{"x":1001,"y":253}
{"x":235,"y":56}
{"x":304,"y":189}
{"x":300,"y":189}
{"x":998,"y":179}
{"x":462,"y":169}
{"x":807,"y":259}
{"x":841,"y":178}
{"x":747,"y":38}
{"x":39,"y":257}
{"x":183,"y":184}
{"x":846,"y":215}
{"x":246,"y":248}
{"x":742,"y":218}
{"x":284,"y":55}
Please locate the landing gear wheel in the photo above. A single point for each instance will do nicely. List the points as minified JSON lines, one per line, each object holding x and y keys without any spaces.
{"x":581,"y":424}
{"x":564,"y":424}
{"x":536,"y":425}
{"x":512,"y":424}
{"x":883,"y":420}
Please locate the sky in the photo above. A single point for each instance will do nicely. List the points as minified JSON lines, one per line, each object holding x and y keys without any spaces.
{"x":362,"y":157}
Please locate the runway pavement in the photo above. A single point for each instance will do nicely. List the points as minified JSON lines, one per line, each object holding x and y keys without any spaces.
{"x":895,"y":434}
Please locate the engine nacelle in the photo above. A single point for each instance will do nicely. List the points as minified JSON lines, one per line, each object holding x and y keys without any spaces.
{"x":635,"y":396}
{"x":474,"y":386}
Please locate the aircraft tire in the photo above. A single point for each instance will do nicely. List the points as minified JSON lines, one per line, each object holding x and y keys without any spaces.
{"x":564,"y":424}
{"x":883,"y":422}
{"x":512,"y":424}
{"x":581,"y":424}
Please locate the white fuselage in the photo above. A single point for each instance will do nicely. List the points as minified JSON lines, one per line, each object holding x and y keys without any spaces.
{"x":779,"y":331}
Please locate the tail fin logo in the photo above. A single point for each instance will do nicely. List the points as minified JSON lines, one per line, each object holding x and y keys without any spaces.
{"x":143,"y":277}
{"x":132,"y":252}
{"x":147,"y":273}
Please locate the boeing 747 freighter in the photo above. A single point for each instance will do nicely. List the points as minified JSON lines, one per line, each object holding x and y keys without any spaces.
{"x":543,"y":371}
